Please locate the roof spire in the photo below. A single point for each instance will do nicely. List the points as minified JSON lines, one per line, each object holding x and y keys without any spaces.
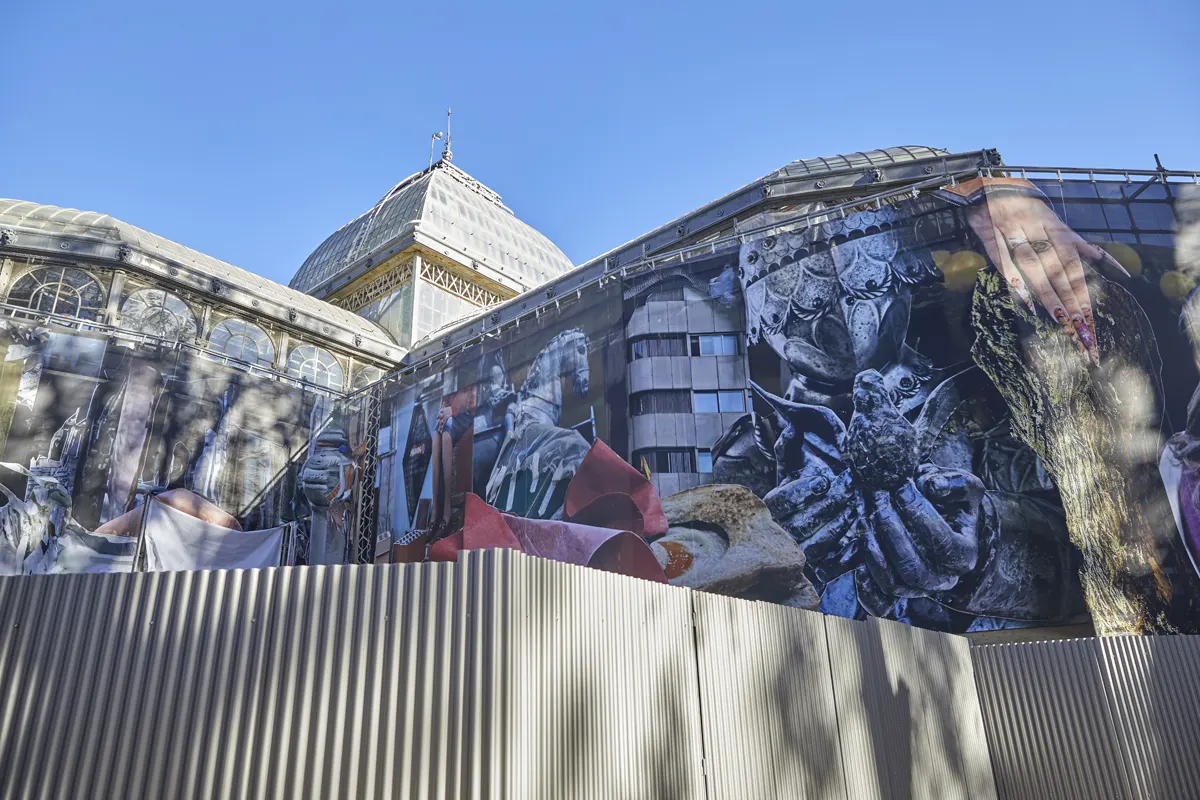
{"x":446,"y":154}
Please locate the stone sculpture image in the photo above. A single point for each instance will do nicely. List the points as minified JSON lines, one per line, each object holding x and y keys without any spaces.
{"x":877,"y":454}
{"x":24,"y":522}
{"x":537,"y":458}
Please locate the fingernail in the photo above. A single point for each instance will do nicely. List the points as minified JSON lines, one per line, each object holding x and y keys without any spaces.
{"x":1113,"y":260}
{"x":1018,"y":286}
{"x":1094,"y":348}
{"x":1088,"y":337}
{"x":1084,"y":331}
{"x":1064,"y":322}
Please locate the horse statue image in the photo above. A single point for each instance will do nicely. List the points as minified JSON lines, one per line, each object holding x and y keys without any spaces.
{"x":537,"y":458}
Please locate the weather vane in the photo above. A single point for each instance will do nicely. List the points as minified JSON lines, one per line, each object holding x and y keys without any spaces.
{"x":446,"y":154}
{"x":435,"y":137}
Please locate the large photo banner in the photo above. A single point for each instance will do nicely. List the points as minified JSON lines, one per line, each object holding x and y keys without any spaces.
{"x":975,"y":426}
{"x":509,"y":420}
{"x":93,"y":426}
{"x":967,"y":409}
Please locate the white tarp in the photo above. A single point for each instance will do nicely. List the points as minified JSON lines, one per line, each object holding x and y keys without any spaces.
{"x":179,"y":541}
{"x":77,"y":551}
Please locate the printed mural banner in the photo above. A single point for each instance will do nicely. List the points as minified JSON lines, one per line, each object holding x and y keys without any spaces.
{"x":93,"y":425}
{"x":969,"y":409}
{"x":178,"y":541}
{"x":510,"y":420}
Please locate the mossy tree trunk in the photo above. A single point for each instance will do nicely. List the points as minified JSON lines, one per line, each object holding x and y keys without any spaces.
{"x":1098,"y":431}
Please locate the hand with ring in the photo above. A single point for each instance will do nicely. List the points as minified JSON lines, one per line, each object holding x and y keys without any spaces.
{"x":1034,"y":249}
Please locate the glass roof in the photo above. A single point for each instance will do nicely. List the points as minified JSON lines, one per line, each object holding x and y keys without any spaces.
{"x":855,"y":161}
{"x":449,"y":206}
{"x":53,"y":219}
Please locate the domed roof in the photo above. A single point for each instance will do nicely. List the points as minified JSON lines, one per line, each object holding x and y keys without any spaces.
{"x":449,"y":207}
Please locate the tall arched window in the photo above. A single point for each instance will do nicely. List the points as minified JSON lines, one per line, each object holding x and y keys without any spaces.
{"x":158,"y":313}
{"x":312,"y":364}
{"x":242,"y":340}
{"x":59,"y":290}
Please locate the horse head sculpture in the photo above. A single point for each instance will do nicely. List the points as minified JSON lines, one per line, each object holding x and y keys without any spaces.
{"x":566,"y":356}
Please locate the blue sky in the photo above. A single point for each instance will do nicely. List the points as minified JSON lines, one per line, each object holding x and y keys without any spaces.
{"x":252,"y":131}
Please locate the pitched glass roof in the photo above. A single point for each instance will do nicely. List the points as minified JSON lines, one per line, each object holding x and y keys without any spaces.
{"x":855,"y":161}
{"x":91,"y":224}
{"x":451,"y":207}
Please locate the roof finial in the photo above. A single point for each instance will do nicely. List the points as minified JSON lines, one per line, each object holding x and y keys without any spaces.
{"x":446,"y":154}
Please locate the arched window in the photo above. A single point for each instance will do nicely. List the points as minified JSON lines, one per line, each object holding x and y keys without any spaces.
{"x":312,"y":364}
{"x":59,"y":290}
{"x":242,"y":340}
{"x":365,"y":377}
{"x":158,"y":313}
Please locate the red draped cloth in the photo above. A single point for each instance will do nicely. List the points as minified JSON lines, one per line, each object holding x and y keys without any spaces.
{"x":609,"y":508}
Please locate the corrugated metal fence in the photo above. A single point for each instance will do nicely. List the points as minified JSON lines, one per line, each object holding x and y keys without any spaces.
{"x":499,"y":676}
{"x":798,"y":704}
{"x":1093,"y":718}
{"x":509,"y":676}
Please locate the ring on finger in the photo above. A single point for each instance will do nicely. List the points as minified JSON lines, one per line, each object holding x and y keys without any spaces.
{"x":1016,"y":242}
{"x":1041,"y":245}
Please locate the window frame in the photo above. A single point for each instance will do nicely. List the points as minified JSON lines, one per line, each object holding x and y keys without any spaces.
{"x":297,"y":370}
{"x":696,"y":346}
{"x":39,"y":277}
{"x":224,"y":324}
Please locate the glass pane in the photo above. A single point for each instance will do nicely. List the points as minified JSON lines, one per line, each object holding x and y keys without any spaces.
{"x":1154,"y":191}
{"x":708,"y":347}
{"x":664,"y":401}
{"x":658,"y":346}
{"x":1117,"y":215}
{"x":59,"y":290}
{"x":1068,"y":188}
{"x":315,"y":365}
{"x":1152,"y":216}
{"x":679,"y":461}
{"x":732,"y":401}
{"x":1085,"y":215}
{"x":158,"y":313}
{"x":242,"y":340}
{"x":1160,"y":239}
{"x":705,"y":402}
{"x":704,"y":461}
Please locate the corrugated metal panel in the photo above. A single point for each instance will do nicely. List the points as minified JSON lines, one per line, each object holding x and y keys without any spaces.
{"x":906,"y":710}
{"x":769,"y":721}
{"x":603,"y":686}
{"x":951,"y":696}
{"x":498,"y":676}
{"x":800,"y":705}
{"x":1154,"y":685}
{"x":1087,"y":718}
{"x":330,"y":681}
